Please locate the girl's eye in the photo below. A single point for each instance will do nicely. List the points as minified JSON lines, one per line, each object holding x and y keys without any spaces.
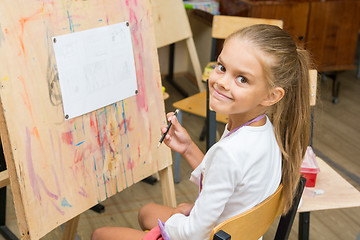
{"x":221,"y":68}
{"x":242,"y":80}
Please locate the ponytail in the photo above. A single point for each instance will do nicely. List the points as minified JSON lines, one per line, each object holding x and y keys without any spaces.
{"x":291,"y":120}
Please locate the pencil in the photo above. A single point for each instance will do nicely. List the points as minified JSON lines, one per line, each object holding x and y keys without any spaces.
{"x":167,"y":130}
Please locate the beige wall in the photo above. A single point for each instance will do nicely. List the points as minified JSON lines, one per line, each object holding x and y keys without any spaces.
{"x":180,"y":61}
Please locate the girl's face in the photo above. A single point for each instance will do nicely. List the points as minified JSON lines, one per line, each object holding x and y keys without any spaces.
{"x":238,"y":85}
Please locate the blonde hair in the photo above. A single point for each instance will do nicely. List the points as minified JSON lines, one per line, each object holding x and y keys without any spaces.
{"x":287,"y":68}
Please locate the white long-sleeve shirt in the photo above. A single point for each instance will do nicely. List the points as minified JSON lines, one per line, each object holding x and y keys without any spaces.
{"x":239,"y":172}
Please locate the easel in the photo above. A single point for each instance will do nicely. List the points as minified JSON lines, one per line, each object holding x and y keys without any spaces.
{"x":172,"y":25}
{"x":38,"y":110}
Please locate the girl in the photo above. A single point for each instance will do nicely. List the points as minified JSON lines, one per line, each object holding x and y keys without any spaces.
{"x":261,"y":81}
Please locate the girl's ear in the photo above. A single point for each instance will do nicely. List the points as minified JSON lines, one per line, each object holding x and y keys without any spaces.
{"x":274,"y":96}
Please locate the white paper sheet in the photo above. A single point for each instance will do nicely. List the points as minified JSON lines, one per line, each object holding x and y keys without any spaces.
{"x":96,"y":68}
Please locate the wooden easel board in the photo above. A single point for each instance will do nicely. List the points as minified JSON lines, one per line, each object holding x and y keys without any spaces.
{"x":172,"y":25}
{"x":170,"y":22}
{"x":59,"y":168}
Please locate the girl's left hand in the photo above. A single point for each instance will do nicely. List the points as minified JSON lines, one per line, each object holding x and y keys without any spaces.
{"x":184,"y":208}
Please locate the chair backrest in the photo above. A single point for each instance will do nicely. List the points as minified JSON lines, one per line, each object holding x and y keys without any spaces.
{"x":252,"y":224}
{"x":313,"y":74}
{"x":223,"y":26}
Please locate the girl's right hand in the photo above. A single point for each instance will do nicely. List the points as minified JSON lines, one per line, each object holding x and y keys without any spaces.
{"x":177,"y":138}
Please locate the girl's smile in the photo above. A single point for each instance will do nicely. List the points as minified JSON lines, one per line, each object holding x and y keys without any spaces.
{"x":221,"y":96}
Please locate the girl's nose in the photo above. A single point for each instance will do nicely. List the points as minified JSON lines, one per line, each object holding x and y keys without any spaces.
{"x":224,"y":81}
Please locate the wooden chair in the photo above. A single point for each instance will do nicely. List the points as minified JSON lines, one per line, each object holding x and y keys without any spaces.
{"x":222,"y":27}
{"x":253,"y":224}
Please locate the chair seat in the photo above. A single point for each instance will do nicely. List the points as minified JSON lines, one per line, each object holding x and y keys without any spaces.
{"x":196,"y":105}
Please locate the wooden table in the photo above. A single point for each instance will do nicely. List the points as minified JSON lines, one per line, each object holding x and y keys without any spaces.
{"x":337,"y":193}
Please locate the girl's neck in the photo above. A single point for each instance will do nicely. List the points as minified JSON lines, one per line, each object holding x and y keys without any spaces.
{"x":238,"y":120}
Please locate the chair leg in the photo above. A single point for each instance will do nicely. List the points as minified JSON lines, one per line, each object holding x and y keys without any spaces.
{"x":170,"y":76}
{"x":177,"y":155}
{"x":210,"y":123}
{"x":335,"y":85}
{"x":203,"y":133}
{"x":304,"y":224}
{"x":211,"y":129}
{"x":335,"y":89}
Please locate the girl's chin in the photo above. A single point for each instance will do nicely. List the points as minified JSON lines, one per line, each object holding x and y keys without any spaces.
{"x":217,"y":109}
